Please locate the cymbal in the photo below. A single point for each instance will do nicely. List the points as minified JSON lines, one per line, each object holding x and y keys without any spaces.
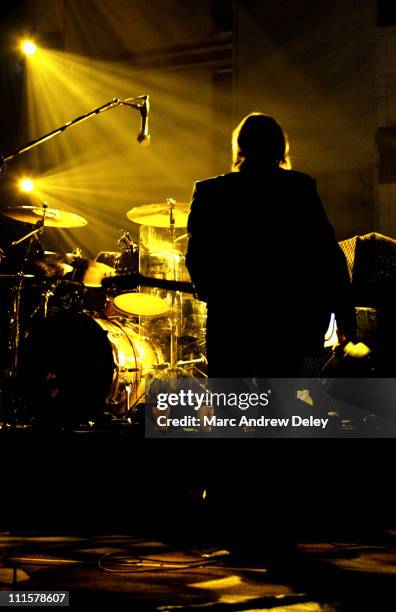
{"x":51,"y":265}
{"x":53,"y":217}
{"x":158,"y":215}
{"x":96,"y":272}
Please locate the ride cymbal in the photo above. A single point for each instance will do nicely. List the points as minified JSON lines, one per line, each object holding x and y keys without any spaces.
{"x":159,"y":215}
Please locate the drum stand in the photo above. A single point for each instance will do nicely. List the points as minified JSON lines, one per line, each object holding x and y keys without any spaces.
{"x":176,"y":368}
{"x":9,"y":373}
{"x":15,"y":318}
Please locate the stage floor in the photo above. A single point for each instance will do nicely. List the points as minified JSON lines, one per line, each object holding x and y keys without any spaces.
{"x":135,"y":573}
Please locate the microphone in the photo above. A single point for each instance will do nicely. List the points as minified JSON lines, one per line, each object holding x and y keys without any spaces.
{"x":144,"y":136}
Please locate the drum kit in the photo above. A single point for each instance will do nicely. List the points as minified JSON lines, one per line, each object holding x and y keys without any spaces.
{"x":82,"y":338}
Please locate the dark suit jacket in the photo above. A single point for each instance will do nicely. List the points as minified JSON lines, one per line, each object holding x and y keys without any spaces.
{"x":263,"y":254}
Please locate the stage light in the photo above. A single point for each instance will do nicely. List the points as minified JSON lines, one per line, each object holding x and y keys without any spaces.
{"x":26,"y":185}
{"x":28,"y":47}
{"x":100,"y":161}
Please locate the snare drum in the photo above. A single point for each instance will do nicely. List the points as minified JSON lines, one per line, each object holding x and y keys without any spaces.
{"x":142,"y":304}
{"x":76,"y":365}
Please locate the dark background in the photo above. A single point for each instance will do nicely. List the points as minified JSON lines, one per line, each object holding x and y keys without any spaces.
{"x":205,"y":64}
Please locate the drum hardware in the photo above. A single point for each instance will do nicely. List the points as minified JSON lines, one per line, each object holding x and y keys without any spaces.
{"x":41,"y":217}
{"x":47,"y":294}
{"x":16,"y":290}
{"x":129,"y":257}
{"x":189,"y":361}
{"x":125,"y":241}
{"x":75,"y":254}
{"x":15,"y":325}
{"x":174,"y":367}
{"x":168,"y":216}
{"x":53,"y":298}
{"x":182,"y":237}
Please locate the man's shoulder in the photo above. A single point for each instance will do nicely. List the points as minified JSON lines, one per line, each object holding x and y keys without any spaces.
{"x":225,"y":183}
{"x":216,"y":181}
{"x":297,"y":177}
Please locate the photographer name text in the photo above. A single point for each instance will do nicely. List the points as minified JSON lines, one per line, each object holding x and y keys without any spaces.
{"x":243,"y":421}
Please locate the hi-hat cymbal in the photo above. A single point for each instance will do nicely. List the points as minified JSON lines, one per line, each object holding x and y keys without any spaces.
{"x":53,"y":217}
{"x":158,"y":215}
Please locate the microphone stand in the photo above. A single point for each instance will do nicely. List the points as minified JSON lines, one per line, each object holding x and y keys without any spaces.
{"x":137,"y":103}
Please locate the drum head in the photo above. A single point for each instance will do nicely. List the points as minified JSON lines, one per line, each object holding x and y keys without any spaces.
{"x":66,"y":368}
{"x":141,"y":304}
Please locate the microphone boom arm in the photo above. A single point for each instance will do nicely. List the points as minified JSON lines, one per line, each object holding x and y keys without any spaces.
{"x":132,"y":102}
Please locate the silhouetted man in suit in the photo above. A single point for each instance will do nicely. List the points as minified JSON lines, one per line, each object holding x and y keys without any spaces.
{"x":264,"y":257}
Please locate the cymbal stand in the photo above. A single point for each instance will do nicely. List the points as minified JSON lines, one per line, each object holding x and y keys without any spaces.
{"x":173,"y":320}
{"x":176,"y":367}
{"x":15,"y":321}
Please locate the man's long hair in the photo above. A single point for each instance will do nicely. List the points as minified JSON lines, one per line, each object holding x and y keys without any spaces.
{"x":259,"y":139}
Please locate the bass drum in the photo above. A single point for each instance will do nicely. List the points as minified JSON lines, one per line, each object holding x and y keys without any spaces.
{"x":75,"y":367}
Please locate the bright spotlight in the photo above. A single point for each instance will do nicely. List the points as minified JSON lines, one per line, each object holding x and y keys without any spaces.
{"x":28,"y":47}
{"x":26,"y":185}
